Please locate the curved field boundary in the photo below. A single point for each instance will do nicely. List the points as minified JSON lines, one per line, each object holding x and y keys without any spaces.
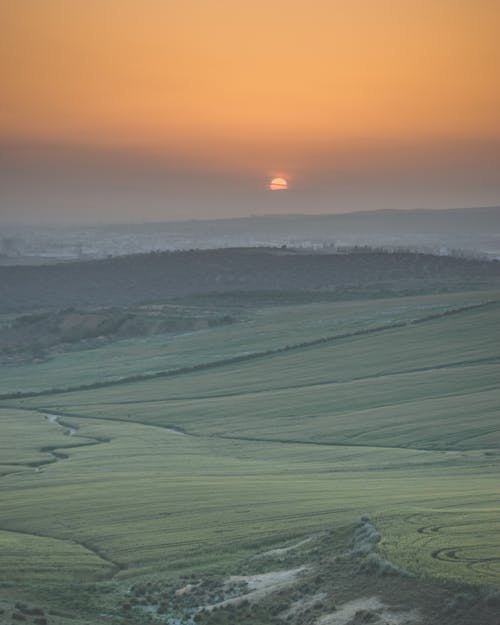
{"x":252,"y":356}
{"x":56,"y":456}
{"x":491,"y":360}
{"x":115,"y":567}
{"x":53,"y":450}
{"x":441,"y":542}
{"x":489,"y":567}
{"x":248,"y":439}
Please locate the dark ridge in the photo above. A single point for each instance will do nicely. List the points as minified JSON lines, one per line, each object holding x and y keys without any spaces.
{"x":165,"y":276}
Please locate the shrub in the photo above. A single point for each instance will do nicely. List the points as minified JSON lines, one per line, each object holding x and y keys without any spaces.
{"x":365,"y":538}
{"x":493,"y":598}
{"x":460,"y":602}
{"x":376,"y":565}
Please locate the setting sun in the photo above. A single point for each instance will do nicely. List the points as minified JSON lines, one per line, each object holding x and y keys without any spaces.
{"x":185,"y":109}
{"x":278,"y":184}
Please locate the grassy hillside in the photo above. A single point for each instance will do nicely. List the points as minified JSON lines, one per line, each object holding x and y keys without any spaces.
{"x":256,"y":330}
{"x":39,"y":336}
{"x":299,"y":420}
{"x":414,"y":385}
{"x":155,"y":501}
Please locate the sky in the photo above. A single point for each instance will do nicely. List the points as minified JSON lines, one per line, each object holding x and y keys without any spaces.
{"x":137,"y":110}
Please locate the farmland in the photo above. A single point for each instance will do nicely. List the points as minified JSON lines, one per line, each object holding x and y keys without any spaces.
{"x":190,"y":454}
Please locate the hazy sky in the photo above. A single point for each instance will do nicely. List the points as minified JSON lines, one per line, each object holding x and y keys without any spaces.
{"x":151,"y":109}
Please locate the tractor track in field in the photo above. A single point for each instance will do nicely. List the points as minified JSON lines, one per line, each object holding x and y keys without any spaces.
{"x":452,"y":554}
{"x":459,"y":554}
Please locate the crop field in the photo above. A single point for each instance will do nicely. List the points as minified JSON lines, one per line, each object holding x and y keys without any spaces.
{"x":258,"y":331}
{"x":300,"y":419}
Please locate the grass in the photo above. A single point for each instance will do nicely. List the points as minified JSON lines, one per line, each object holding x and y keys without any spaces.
{"x":458,"y":540}
{"x":41,"y":559}
{"x":415,"y":385}
{"x":23,"y":436}
{"x":269,"y":328}
{"x":401,"y":423}
{"x":152,"y":500}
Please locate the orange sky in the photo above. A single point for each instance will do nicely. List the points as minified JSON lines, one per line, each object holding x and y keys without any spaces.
{"x":257,"y":85}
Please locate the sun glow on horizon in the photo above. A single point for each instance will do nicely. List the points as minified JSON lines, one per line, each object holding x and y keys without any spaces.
{"x":278,"y":184}
{"x":193,"y":107}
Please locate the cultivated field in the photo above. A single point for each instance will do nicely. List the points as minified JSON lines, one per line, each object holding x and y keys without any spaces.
{"x":236,"y":440}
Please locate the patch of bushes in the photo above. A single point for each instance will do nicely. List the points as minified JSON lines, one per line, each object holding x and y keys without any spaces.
{"x":363,"y":616}
{"x":365,"y":537}
{"x":461,"y":602}
{"x":493,"y":598}
{"x":375,"y":564}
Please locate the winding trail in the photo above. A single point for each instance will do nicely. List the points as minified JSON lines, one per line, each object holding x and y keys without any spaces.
{"x":56,"y":456}
{"x":70,"y":431}
{"x":51,"y":450}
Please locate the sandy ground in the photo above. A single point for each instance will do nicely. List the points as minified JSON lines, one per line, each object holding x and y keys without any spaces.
{"x":283,"y":550}
{"x":302,"y":605}
{"x":381,"y":613}
{"x":260,"y":585}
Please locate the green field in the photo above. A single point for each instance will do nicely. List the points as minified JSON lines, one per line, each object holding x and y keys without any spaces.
{"x":260,"y":330}
{"x":394,"y":414}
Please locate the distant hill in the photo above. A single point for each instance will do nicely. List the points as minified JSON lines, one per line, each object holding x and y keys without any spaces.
{"x":457,"y":221}
{"x":475,"y":230}
{"x":165,"y":276}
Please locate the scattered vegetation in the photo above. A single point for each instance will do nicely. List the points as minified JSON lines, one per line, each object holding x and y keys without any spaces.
{"x":212,"y":477}
{"x":163,"y":276}
{"x":38,"y":335}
